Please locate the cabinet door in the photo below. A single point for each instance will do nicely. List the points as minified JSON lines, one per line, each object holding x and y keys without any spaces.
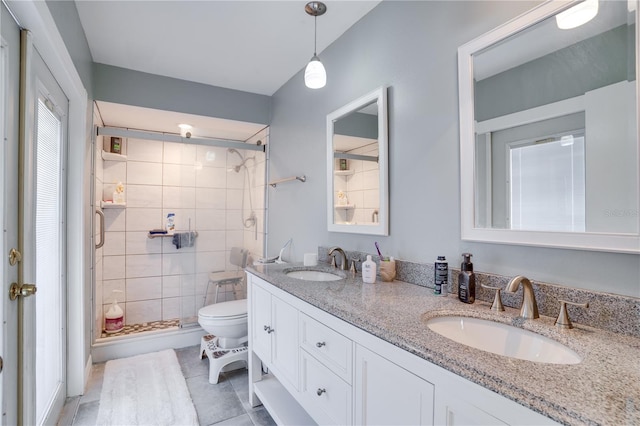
{"x":284,"y":351}
{"x":387,"y":394}
{"x":261,"y":300}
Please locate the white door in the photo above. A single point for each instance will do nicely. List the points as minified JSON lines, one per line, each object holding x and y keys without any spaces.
{"x":9,"y":106}
{"x":44,"y":213}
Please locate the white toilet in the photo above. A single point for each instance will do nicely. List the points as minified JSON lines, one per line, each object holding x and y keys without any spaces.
{"x":226,"y":342}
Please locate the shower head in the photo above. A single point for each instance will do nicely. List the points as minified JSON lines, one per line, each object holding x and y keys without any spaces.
{"x":238,"y":167}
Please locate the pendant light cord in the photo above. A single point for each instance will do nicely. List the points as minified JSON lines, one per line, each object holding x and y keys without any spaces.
{"x":315,"y":34}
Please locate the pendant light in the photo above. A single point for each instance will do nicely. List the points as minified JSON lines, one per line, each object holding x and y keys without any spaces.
{"x":315,"y":76}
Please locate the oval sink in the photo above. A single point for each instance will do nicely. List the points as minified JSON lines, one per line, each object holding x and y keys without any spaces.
{"x":503,"y":339}
{"x":314,"y":275}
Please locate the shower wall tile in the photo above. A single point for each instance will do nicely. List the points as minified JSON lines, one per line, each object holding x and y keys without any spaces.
{"x":234,"y":239}
{"x":149,"y":196}
{"x":113,"y":244}
{"x":144,"y":173}
{"x":235,"y":180}
{"x":143,"y":219}
{"x":188,"y":306}
{"x":178,"y":175}
{"x":108,"y":286}
{"x":114,"y":219}
{"x":211,"y":198}
{"x":188,"y":284}
{"x":178,"y":263}
{"x":143,"y":311}
{"x":210,"y":219}
{"x":113,"y":267}
{"x":168,"y":247}
{"x":143,"y":288}
{"x":171,"y":308}
{"x":211,"y":241}
{"x":211,"y":177}
{"x":234,"y":220}
{"x":210,"y":261}
{"x":144,"y":265}
{"x":234,"y":199}
{"x":144,"y":150}
{"x":114,"y":172}
{"x":210,"y":156}
{"x":170,"y":286}
{"x":138,"y":242}
{"x":179,"y":153}
{"x":178,"y":197}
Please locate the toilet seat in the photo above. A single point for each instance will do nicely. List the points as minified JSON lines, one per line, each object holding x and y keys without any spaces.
{"x":225,"y":310}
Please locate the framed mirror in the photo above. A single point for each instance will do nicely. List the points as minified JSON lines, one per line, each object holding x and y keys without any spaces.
{"x":549,"y":129}
{"x":357,"y":167}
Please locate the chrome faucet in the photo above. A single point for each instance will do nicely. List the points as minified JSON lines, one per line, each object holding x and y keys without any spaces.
{"x":344,"y":265}
{"x":529,"y":309}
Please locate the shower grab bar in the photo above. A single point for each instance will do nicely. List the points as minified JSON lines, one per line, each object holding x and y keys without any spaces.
{"x":101,"y":216}
{"x":302,"y":178}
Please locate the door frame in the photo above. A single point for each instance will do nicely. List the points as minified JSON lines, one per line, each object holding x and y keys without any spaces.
{"x":35,"y":16}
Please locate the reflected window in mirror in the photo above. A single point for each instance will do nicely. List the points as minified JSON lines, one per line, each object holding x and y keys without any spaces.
{"x":549,"y":132}
{"x":357,"y":173}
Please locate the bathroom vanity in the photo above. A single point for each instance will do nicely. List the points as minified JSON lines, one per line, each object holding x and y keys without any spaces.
{"x":344,"y":352}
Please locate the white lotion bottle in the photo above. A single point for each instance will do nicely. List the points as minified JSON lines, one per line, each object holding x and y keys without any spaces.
{"x":369,"y":270}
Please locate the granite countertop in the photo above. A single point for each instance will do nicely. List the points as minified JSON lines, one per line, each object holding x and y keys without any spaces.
{"x":603,"y":389}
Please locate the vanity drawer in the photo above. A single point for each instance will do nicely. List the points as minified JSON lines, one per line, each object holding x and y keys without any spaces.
{"x":327,"y":345}
{"x":325,"y":396}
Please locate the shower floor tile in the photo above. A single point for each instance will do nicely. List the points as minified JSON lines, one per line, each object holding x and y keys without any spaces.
{"x":142,"y":327}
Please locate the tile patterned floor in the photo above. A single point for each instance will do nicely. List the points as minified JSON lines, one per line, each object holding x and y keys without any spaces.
{"x":142,"y":327}
{"x":226,"y":403}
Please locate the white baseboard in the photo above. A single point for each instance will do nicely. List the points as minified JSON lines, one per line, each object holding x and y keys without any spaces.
{"x":130,"y":345}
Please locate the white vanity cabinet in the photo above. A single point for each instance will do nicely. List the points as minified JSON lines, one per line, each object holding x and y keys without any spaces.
{"x":324,"y":370}
{"x":387,"y":394}
{"x":274,"y":336}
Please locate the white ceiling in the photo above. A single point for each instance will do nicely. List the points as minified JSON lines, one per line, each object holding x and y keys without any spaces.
{"x":253,"y":46}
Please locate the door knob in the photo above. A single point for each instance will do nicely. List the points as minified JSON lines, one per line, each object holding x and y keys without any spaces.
{"x":24,"y":290}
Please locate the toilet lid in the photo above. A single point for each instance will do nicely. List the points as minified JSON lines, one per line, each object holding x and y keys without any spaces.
{"x":234,"y":308}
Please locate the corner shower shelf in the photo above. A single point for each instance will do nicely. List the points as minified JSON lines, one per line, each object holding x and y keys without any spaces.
{"x":346,"y":207}
{"x":111,"y":156}
{"x":110,"y":205}
{"x":343,"y":172}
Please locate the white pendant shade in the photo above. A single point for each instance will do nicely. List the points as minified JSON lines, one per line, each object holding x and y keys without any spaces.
{"x":315,"y":76}
{"x":577,"y":15}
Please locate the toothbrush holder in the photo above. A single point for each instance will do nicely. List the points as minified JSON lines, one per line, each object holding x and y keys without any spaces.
{"x":388,"y":269}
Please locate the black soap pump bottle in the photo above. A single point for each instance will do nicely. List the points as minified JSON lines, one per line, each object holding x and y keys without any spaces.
{"x":467,"y":280}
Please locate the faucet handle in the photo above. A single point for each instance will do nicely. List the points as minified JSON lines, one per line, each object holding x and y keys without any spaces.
{"x":353,"y":268}
{"x":563,"y":320}
{"x":497,"y":300}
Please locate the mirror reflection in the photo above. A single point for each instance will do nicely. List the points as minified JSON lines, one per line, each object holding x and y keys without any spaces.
{"x":356,"y":183}
{"x":357,"y":175}
{"x":555,"y":120}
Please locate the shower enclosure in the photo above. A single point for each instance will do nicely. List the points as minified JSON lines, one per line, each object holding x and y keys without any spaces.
{"x":217,"y":196}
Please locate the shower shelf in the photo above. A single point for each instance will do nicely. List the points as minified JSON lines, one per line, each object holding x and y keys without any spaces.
{"x":110,"y":205}
{"x":111,"y":156}
{"x":346,"y":207}
{"x":344,"y":172}
{"x":169,"y":235}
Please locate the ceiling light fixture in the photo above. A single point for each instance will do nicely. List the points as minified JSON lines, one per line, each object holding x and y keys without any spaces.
{"x":315,"y":76}
{"x":577,"y":15}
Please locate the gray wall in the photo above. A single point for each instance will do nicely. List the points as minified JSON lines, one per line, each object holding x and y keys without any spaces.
{"x":412,"y":48}
{"x":124,"y":86}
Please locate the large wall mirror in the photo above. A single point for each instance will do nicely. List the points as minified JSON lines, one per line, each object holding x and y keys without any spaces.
{"x":357,"y":174}
{"x":549,"y":129}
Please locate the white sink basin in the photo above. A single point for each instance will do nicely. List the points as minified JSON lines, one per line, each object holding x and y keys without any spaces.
{"x":503,"y":339}
{"x":314,"y":275}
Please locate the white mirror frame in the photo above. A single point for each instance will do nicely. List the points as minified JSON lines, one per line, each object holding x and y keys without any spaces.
{"x":625,"y":243}
{"x":382,"y":228}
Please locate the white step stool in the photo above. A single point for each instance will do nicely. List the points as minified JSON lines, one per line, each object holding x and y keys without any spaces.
{"x":220,"y":357}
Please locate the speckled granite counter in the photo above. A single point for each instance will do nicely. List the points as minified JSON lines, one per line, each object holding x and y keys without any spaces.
{"x":603,"y":389}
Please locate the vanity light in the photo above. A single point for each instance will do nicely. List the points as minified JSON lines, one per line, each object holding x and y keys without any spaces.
{"x":315,"y":76}
{"x":577,"y":15}
{"x":185,"y":130}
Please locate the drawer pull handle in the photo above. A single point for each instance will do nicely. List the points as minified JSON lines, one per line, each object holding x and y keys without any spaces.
{"x":268,"y":329}
{"x":320,"y":344}
{"x":320,"y":391}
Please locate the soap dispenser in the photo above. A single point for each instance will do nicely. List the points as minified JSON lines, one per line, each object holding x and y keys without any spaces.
{"x":369,"y":270}
{"x":467,"y":280}
{"x":114,"y":318}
